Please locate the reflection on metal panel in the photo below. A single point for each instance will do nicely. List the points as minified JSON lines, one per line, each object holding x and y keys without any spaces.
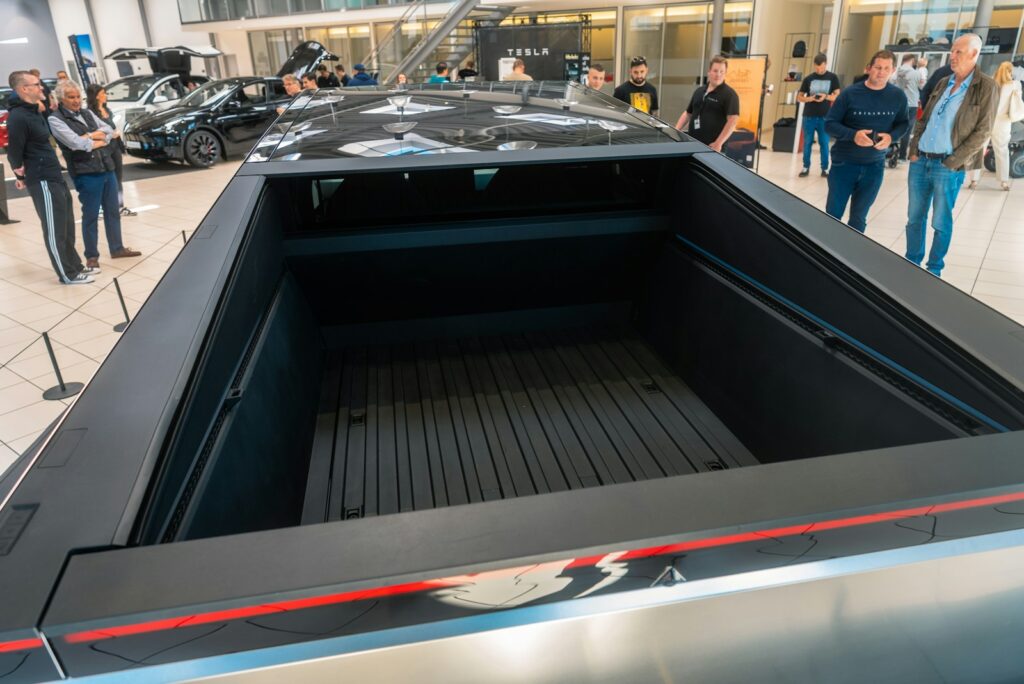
{"x":947,"y":611}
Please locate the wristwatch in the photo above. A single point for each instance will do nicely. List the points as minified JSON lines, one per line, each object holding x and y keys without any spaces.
{"x":21,"y":178}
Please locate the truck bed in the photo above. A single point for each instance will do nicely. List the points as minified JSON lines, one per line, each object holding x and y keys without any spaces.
{"x":422,"y":425}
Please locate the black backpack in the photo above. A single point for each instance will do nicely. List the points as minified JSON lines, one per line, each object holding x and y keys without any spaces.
{"x":799,"y":49}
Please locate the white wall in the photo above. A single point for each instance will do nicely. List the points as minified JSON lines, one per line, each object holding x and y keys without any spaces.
{"x":165,"y":25}
{"x":69,"y":17}
{"x":236,"y":44}
{"x":119,"y":26}
{"x":31,"y":22}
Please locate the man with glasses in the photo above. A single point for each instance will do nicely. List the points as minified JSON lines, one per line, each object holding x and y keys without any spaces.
{"x":637,"y":92}
{"x":36,"y":168}
{"x":947,"y":142}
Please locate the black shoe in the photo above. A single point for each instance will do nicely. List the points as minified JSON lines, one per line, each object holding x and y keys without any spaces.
{"x":824,"y":173}
{"x":805,"y":173}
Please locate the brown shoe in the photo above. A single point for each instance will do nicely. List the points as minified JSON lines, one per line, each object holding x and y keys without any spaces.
{"x":125,"y":252}
{"x":92,"y":263}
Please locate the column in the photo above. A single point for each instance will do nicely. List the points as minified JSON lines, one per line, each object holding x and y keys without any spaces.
{"x":717,"y":20}
{"x":983,"y":18}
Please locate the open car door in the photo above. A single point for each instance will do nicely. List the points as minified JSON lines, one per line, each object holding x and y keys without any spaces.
{"x":168,"y":60}
{"x":305,"y":58}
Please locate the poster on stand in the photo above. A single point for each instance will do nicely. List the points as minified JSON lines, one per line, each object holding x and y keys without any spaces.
{"x":577,"y":64}
{"x":85,"y":57}
{"x":747,"y":77}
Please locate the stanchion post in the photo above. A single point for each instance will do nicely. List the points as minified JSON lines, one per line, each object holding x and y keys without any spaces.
{"x":184,"y":240}
{"x":62,"y":390}
{"x":127,"y":319}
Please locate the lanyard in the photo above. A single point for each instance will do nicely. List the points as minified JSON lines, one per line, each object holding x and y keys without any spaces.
{"x":949,"y":95}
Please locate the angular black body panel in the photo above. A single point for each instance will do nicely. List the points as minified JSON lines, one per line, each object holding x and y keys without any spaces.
{"x":520,"y":378}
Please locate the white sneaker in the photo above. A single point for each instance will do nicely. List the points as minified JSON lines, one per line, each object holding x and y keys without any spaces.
{"x":82,"y":278}
{"x":92,"y":270}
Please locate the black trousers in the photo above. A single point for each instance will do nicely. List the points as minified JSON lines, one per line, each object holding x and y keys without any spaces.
{"x":53,"y":205}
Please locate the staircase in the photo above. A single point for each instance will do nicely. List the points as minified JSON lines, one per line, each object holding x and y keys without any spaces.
{"x":451,"y":40}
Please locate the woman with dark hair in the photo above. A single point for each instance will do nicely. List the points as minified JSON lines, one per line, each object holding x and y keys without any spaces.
{"x":96,"y":99}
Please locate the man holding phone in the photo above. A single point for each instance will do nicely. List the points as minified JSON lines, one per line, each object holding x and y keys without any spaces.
{"x":864,"y":120}
{"x":818,"y":91}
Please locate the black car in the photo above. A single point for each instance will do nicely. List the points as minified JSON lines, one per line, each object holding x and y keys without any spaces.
{"x":220,"y":118}
{"x":517,"y":384}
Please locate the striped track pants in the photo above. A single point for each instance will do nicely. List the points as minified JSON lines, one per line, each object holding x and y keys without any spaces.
{"x":53,"y":204}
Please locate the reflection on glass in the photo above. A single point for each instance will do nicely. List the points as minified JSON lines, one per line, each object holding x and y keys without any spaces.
{"x":400,"y":128}
{"x":867,"y":26}
{"x":611,"y":126}
{"x":517,"y":145}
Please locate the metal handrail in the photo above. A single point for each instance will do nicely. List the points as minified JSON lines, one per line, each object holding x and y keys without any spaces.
{"x":372,"y":60}
{"x":443,"y":27}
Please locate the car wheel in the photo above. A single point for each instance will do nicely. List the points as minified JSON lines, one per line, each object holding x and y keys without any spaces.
{"x":990,"y":160}
{"x":202,"y":149}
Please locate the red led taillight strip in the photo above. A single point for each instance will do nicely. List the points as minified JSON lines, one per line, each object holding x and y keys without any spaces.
{"x":20,"y":645}
{"x":415,"y":587}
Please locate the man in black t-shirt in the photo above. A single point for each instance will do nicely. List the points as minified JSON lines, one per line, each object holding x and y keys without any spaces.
{"x":818,"y":91}
{"x":714,"y":109}
{"x":637,"y":92}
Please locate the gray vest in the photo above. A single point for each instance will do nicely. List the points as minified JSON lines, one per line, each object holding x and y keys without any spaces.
{"x":79,"y":163}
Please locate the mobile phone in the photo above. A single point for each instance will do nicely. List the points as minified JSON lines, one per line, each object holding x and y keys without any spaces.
{"x":876,"y":137}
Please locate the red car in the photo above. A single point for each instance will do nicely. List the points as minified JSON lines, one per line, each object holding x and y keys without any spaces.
{"x":4,"y":94}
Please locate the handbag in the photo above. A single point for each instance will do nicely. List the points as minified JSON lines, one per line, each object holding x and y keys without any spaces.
{"x":1016,"y":106}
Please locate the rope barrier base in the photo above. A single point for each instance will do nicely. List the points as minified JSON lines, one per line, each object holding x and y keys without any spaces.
{"x":69,"y":389}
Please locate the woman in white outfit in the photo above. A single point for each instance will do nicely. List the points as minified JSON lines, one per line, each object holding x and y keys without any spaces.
{"x":1008,"y":88}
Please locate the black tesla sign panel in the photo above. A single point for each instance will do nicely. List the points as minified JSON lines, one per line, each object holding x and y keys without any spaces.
{"x":541,"y":46}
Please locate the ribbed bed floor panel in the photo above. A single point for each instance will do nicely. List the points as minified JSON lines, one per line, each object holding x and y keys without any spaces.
{"x":422,"y":425}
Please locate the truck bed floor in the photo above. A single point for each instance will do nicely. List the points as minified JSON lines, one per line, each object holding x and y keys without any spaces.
{"x":422,"y":425}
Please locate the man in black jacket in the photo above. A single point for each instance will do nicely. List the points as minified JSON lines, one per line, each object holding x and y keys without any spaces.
{"x":325,"y":79}
{"x":36,"y":168}
{"x":83,"y":138}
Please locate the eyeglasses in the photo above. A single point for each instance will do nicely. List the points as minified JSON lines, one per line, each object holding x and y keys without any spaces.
{"x":638,"y":61}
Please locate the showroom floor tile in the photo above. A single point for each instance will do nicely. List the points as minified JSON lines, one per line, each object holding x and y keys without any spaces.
{"x":80,"y":319}
{"x":986,"y":260}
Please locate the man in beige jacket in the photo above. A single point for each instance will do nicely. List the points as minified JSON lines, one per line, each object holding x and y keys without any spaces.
{"x":948,"y":141}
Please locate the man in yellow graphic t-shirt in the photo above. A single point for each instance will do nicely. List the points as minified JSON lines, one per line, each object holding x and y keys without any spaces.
{"x":637,"y":92}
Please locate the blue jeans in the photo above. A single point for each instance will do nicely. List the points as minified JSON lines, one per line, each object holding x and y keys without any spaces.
{"x":95,"y":189}
{"x":812,"y":125}
{"x":857,"y":184}
{"x":933,"y":184}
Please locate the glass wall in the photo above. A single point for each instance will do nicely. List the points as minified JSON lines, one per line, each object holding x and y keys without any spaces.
{"x":927,"y":26}
{"x":192,"y":11}
{"x":350,"y":43}
{"x":271,"y":49}
{"x":674,"y":40}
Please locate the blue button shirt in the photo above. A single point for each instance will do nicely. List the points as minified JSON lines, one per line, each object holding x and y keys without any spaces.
{"x":938,"y":135}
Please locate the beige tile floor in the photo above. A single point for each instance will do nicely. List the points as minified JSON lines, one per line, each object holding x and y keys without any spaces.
{"x":80,"y":319}
{"x":986,"y":259}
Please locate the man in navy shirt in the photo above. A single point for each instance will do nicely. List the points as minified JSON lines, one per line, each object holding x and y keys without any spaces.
{"x":864,"y":120}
